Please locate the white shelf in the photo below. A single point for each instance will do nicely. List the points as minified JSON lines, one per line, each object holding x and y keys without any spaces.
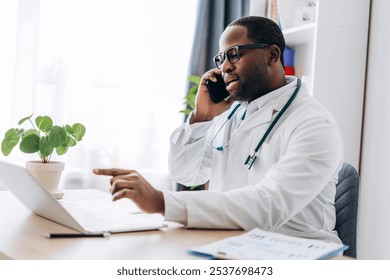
{"x":298,"y":35}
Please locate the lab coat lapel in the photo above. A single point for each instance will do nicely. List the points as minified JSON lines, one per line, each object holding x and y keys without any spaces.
{"x":268,"y":105}
{"x":261,"y":116}
{"x":265,"y":114}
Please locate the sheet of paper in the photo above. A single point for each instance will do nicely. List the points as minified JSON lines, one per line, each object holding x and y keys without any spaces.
{"x":259,"y":244}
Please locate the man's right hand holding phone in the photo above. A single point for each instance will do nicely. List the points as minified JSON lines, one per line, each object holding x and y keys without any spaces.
{"x":205,"y":108}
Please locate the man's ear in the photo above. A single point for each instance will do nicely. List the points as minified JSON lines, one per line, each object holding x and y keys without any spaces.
{"x":274,"y":54}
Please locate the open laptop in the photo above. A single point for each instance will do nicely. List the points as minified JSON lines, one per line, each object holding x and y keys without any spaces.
{"x":74,"y":215}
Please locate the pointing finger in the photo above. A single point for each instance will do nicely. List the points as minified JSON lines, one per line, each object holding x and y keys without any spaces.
{"x":111,"y":171}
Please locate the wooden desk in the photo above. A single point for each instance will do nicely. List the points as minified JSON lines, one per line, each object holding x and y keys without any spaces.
{"x":22,"y":237}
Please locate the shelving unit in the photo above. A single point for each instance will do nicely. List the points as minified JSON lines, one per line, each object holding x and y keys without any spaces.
{"x":331,"y":55}
{"x":302,"y":34}
{"x":301,"y":38}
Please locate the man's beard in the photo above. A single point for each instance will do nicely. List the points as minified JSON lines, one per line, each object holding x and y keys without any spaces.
{"x":257,"y":85}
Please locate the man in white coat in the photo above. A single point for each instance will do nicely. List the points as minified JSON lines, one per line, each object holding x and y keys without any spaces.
{"x":270,"y":153}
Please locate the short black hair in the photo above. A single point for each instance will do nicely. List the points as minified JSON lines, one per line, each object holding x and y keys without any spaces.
{"x":262,"y":30}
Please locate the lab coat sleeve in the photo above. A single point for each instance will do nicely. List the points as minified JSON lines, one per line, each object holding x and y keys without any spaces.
{"x":189,"y":155}
{"x":313,"y":157}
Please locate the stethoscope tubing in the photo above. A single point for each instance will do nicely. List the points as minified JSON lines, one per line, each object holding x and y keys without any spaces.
{"x":250,"y":160}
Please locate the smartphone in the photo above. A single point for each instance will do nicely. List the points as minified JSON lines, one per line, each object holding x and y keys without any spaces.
{"x":217,"y":89}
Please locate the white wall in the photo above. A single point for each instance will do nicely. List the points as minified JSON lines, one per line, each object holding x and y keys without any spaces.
{"x":340,"y":66}
{"x":374,"y":204}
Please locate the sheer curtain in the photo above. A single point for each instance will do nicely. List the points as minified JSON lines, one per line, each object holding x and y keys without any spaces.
{"x":119,"y":67}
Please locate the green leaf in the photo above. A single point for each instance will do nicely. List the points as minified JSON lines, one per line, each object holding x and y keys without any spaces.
{"x":70,"y":142}
{"x":69,"y":129}
{"x":25,"y":119}
{"x":193,"y":90}
{"x":61,"y":150}
{"x":194,"y":187}
{"x":30,"y":144}
{"x":44,"y":123}
{"x":29,"y":132}
{"x":11,"y":139}
{"x":78,"y":131}
{"x":45,"y":148}
{"x":186,"y":112}
{"x":194,"y":79}
{"x":57,"y":136}
{"x":190,"y":99}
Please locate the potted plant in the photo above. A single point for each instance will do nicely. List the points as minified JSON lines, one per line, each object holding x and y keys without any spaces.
{"x":43,"y":138}
{"x":189,"y":99}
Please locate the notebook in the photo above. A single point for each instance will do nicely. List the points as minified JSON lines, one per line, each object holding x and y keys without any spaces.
{"x":78,"y":216}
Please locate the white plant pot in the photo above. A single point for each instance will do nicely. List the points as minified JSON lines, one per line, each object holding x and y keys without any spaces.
{"x":47,"y":174}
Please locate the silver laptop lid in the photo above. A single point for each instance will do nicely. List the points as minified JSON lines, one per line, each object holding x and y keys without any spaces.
{"x":29,"y":192}
{"x":33,"y":196}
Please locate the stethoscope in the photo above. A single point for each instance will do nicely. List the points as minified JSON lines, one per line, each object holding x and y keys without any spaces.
{"x":250,"y":160}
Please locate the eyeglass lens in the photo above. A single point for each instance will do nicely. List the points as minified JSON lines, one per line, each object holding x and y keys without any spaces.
{"x":231,"y":54}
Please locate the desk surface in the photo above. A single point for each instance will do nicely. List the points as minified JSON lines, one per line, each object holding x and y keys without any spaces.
{"x":23,"y":237}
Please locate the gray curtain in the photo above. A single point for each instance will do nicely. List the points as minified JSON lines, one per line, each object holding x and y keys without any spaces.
{"x":212,"y":18}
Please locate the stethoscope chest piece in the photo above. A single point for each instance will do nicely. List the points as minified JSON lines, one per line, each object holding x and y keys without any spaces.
{"x":250,"y":160}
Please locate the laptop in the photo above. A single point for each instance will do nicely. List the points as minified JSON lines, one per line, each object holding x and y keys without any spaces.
{"x":78,"y":216}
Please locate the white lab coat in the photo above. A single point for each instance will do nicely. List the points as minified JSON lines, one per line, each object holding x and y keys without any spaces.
{"x":290,"y":188}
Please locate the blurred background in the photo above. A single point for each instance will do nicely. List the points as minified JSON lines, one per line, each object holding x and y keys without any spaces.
{"x":119,"y":67}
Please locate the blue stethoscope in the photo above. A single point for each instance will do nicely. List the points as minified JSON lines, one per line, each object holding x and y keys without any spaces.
{"x":250,"y":160}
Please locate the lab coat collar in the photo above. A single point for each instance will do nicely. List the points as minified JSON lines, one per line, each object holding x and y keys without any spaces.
{"x":261,"y":110}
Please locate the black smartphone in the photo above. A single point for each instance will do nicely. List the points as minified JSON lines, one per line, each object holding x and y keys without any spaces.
{"x":217,"y":89}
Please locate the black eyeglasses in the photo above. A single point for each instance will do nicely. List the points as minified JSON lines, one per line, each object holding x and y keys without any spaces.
{"x":233,"y":53}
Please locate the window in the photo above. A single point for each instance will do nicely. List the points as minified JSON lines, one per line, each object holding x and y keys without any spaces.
{"x":117,"y":66}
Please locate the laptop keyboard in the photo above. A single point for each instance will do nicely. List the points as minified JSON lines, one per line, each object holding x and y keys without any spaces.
{"x":100,"y":217}
{"x":90,"y":220}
